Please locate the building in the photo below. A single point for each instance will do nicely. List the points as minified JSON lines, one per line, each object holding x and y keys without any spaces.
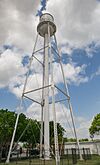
{"x":94,"y":146}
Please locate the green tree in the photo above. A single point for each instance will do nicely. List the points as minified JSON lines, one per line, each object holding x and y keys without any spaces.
{"x":71,"y":140}
{"x":22,"y":124}
{"x":28,"y":130}
{"x":7,"y":121}
{"x":60,"y":132}
{"x":83,"y":140}
{"x":95,"y":125}
{"x":32,"y":134}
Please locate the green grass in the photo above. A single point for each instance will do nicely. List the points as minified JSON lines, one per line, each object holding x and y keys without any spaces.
{"x":94,"y":161}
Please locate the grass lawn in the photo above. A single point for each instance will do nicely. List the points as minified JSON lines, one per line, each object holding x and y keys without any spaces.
{"x":94,"y":161}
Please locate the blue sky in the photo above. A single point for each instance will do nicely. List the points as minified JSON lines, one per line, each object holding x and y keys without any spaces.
{"x":78,"y":38}
{"x":42,"y":8}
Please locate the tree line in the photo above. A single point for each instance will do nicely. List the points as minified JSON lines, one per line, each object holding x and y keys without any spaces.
{"x":28,"y":130}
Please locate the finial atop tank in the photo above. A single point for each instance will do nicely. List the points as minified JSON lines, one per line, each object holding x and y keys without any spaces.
{"x":45,"y":20}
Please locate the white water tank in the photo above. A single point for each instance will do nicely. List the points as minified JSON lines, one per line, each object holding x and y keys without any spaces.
{"x":45,"y":20}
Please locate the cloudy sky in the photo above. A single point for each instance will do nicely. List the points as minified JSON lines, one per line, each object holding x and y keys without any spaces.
{"x":78,"y":36}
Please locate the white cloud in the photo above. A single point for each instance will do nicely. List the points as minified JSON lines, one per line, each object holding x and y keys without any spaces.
{"x":78,"y":22}
{"x":18,"y":23}
{"x":34,"y":111}
{"x":16,"y":78}
{"x":90,"y":51}
{"x":82,"y":125}
{"x":97,"y":73}
{"x":73,"y":74}
{"x":66,"y":49}
{"x":10,"y":67}
{"x":34,"y":82}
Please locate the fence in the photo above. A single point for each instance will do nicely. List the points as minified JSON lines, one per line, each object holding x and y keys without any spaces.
{"x":73,"y":154}
{"x":31,"y":157}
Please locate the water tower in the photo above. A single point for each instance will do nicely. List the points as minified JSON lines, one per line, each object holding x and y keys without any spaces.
{"x":46,"y":29}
